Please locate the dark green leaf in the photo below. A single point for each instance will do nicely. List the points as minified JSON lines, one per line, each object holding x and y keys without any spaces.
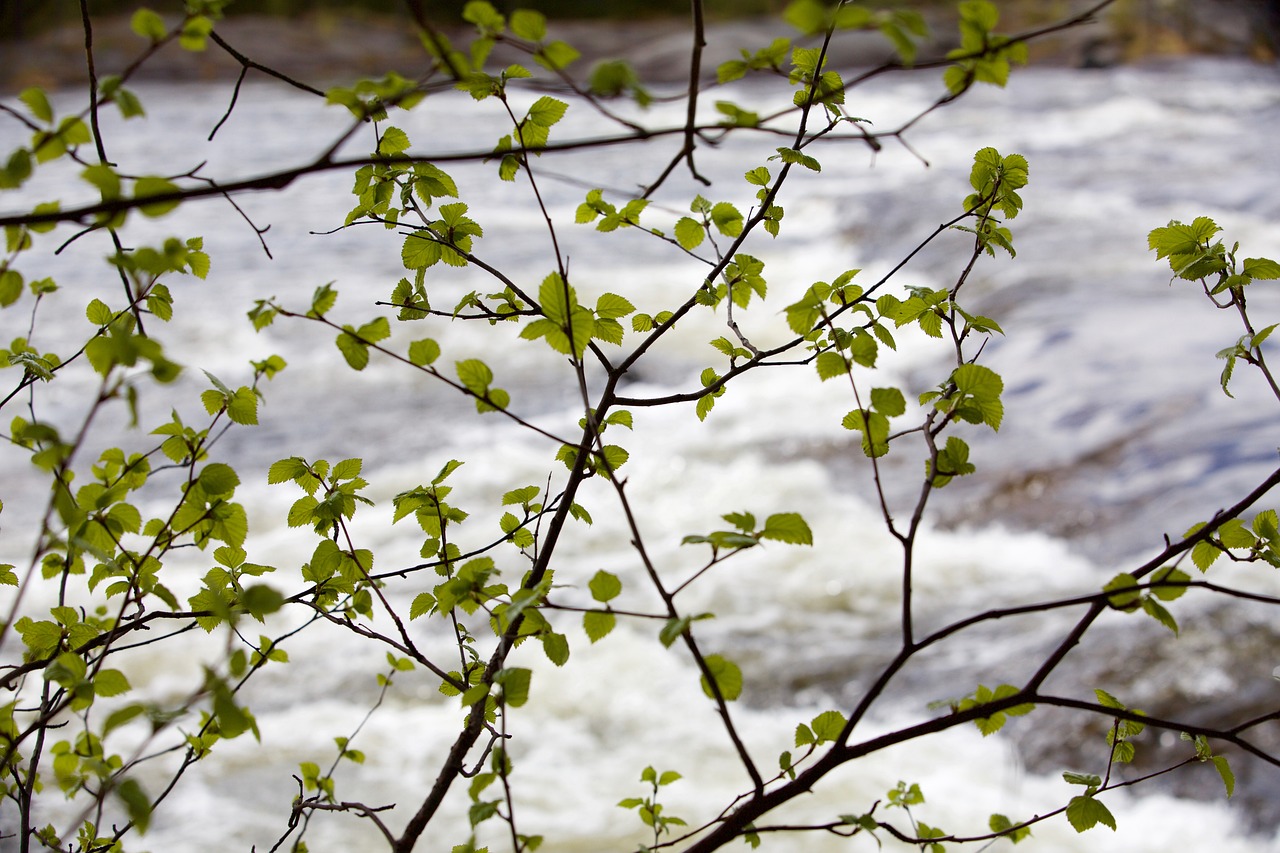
{"x":261,"y":600}
{"x":136,"y":803}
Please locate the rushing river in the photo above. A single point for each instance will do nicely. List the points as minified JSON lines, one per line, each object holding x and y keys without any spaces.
{"x":1115,"y":434}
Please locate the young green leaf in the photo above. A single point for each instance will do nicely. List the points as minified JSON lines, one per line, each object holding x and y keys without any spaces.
{"x":605,"y":586}
{"x":148,"y":25}
{"x":787,"y":527}
{"x":1086,"y":812}
{"x":597,"y":624}
{"x":727,"y":675}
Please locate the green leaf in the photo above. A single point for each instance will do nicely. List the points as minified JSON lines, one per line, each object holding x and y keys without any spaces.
{"x":556,"y":55}
{"x":888,"y":401}
{"x":612,"y":306}
{"x":1159,"y":613}
{"x":136,"y":803}
{"x":150,"y":186}
{"x":515,"y":683}
{"x":1224,"y":770}
{"x":564,"y":316}
{"x":323,"y":300}
{"x":980,"y":388}
{"x":218,"y":479}
{"x":472,"y":695}
{"x":242,"y":406}
{"x":1086,"y":812}
{"x":11,"y":290}
{"x":667,"y":777}
{"x":355,"y":351}
{"x":1204,"y":553}
{"x":807,"y":16}
{"x":737,"y":116}
{"x":1107,"y":701}
{"x":734,"y":69}
{"x":614,"y":457}
{"x":195,"y":33}
{"x":302,"y":511}
{"x":827,"y":726}
{"x":483,"y":15}
{"x":727,"y":219}
{"x":727,"y":675}
{"x":520,"y":496}
{"x":616,"y":77}
{"x":791,"y":155}
{"x":121,"y":716}
{"x":597,"y":624}
{"x":1263,"y":268}
{"x":233,"y":720}
{"x":689,"y":233}
{"x":787,"y":527}
{"x":863,"y":349}
{"x":1171,"y":575}
{"x":831,"y":364}
{"x":474,"y":374}
{"x":424,"y":352}
{"x":671,"y":631}
{"x":1089,"y":780}
{"x":423,"y":603}
{"x":605,"y":586}
{"x":1126,"y":599}
{"x":1234,"y":534}
{"x":1002,"y":825}
{"x":110,"y":682}
{"x":622,"y":418}
{"x":874,"y":427}
{"x":148,"y":25}
{"x":38,"y":103}
{"x":528,"y":24}
{"x":1266,"y":525}
{"x":556,"y":648}
{"x":285,"y":470}
{"x":421,"y":250}
{"x":261,"y":600}
{"x":394,"y":141}
{"x":347,"y":469}
{"x":546,"y":111}
{"x":104,"y":178}
{"x":125,"y":100}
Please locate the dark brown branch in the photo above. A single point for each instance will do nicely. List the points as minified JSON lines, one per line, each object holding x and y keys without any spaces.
{"x":248,"y":63}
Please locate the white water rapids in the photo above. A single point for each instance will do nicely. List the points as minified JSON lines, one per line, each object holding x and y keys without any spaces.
{"x":1111,"y":395}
